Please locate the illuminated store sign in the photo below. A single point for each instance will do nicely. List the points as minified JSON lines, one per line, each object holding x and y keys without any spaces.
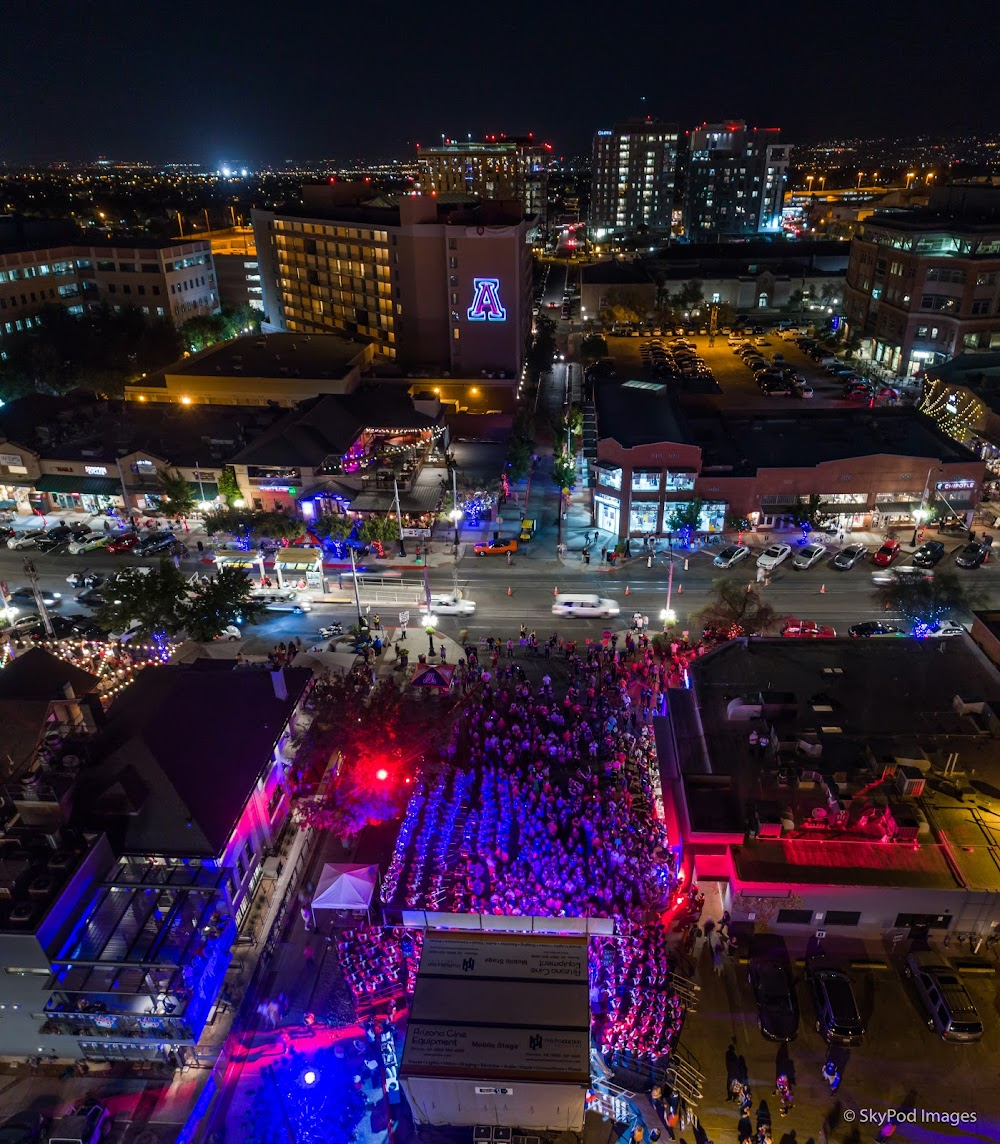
{"x":486,"y":305}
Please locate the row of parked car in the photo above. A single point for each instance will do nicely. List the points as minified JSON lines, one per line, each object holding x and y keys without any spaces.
{"x":947,"y":1006}
{"x":76,"y":540}
{"x":774,"y":377}
{"x":678,"y":359}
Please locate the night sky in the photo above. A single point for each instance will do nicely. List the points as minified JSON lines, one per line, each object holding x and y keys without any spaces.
{"x":240,"y":80}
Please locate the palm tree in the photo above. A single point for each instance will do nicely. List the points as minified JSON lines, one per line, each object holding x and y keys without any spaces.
{"x":176,"y":494}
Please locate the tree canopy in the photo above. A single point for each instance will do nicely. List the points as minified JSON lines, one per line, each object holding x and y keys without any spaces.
{"x":924,"y":601}
{"x":735,"y":609}
{"x":176,"y":494}
{"x":161,"y":601}
{"x":251,"y":523}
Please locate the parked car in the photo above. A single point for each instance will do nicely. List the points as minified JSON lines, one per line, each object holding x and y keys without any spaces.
{"x":801,"y":389}
{"x":156,"y":543}
{"x":886,"y":554}
{"x":971,"y":555}
{"x":91,"y":598}
{"x":928,"y":554}
{"x":847,"y":557}
{"x":774,"y":993}
{"x":87,"y":542}
{"x":807,"y":630}
{"x":943,"y":629}
{"x":25,"y":539}
{"x":731,"y":555}
{"x":771,"y":557}
{"x":838,"y":1020}
{"x":126,"y":543}
{"x":809,"y":555}
{"x":496,"y":547}
{"x":871,"y":629}
{"x":951,"y":1012}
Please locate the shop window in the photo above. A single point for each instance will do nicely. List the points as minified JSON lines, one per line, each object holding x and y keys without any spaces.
{"x":647,"y":481}
{"x":643,"y":517}
{"x":610,"y":477}
{"x":679,"y":482}
{"x":842,"y":917}
{"x":794,"y":917}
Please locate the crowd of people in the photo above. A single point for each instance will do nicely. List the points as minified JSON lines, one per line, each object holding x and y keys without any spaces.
{"x":637,"y":1012}
{"x":543,"y":804}
{"x":379,"y":966}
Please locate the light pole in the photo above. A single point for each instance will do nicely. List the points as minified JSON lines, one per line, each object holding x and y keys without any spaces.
{"x":430,"y":622}
{"x":809,"y":180}
{"x":456,"y":512}
{"x":668,"y":615}
{"x":399,"y":516}
{"x":29,"y":570}
{"x":918,"y":517}
{"x":357,"y":594}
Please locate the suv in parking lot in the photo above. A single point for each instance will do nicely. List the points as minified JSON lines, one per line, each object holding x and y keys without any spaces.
{"x":950,"y":1010}
{"x":157,"y":542}
{"x":838,"y":1021}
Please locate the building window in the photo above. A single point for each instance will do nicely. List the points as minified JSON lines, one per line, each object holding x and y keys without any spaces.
{"x":794,"y":917}
{"x":610,"y":476}
{"x":644,"y":517}
{"x":980,"y":306}
{"x":842,"y":917}
{"x":646,"y":481}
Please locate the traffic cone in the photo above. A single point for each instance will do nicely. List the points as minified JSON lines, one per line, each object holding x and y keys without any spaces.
{"x":510,"y":590}
{"x":555,"y":591}
{"x":627,"y":590}
{"x":822,"y":589}
{"x":680,"y":589}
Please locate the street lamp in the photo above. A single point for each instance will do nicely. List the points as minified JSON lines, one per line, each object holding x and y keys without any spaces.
{"x":809,"y":180}
{"x":918,"y":517}
{"x":430,"y":623}
{"x":456,"y":516}
{"x":668,"y":616}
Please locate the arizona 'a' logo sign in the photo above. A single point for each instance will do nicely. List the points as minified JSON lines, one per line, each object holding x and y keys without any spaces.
{"x":486,"y":302}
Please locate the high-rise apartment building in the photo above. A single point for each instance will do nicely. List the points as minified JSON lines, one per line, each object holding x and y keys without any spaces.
{"x":633,"y":172}
{"x":173,"y":280}
{"x":923,"y":284}
{"x":431,"y":284}
{"x":734,"y":181}
{"x":497,"y":167}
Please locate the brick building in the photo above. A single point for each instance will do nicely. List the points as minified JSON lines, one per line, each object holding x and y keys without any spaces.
{"x":873,"y":468}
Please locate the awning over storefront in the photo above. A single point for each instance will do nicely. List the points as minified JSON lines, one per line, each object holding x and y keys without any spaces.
{"x":94,"y":486}
{"x":893,"y":506}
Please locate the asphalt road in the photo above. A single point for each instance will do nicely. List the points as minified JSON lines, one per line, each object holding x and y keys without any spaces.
{"x":535,"y":575}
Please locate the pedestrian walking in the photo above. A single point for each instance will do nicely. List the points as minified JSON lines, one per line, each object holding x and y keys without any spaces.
{"x":307,"y":917}
{"x":732,"y":1072}
{"x":509,"y":560}
{"x":308,"y":956}
{"x":586,"y":556}
{"x":604,"y":553}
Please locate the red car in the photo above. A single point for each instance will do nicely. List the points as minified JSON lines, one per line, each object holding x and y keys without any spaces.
{"x":886,"y":554}
{"x":123,"y":543}
{"x":807,"y":630}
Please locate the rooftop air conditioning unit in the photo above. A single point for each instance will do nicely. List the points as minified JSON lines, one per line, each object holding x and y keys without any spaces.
{"x":22,"y":912}
{"x":909,"y":782}
{"x":769,"y":830}
{"x":42,"y":886}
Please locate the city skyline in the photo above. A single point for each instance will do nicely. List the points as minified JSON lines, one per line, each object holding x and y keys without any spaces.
{"x":215,"y":96}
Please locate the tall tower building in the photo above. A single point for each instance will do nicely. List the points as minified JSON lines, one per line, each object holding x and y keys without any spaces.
{"x":498,"y":167}
{"x":735,"y":179}
{"x":632,"y":184}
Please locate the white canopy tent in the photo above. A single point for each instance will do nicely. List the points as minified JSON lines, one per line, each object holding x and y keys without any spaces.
{"x":345,"y":886}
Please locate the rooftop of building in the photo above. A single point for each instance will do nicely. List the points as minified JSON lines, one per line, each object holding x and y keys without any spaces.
{"x":958,"y":208}
{"x":80,"y":427}
{"x":181,"y":751}
{"x":851,"y":726}
{"x":327,"y":426}
{"x":26,"y":240}
{"x":354,"y":203}
{"x":35,"y":866}
{"x":638,"y":413}
{"x":736,"y":444}
{"x":276,"y":356}
{"x":616,"y":273}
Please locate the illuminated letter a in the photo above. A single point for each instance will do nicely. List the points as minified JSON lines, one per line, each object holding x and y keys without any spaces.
{"x":486,"y":302}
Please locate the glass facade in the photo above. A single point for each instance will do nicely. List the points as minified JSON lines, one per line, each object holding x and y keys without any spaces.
{"x":679,"y":482}
{"x":644,"y":517}
{"x":608,"y":512}
{"x":646,"y":481}
{"x":609,"y":476}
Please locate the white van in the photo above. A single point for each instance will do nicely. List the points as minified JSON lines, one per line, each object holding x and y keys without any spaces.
{"x":585,"y":605}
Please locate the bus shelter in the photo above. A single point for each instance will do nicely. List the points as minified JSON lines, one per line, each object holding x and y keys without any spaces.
{"x":299,"y":568}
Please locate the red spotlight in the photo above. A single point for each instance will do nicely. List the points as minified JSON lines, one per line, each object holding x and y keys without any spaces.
{"x":381,"y":774}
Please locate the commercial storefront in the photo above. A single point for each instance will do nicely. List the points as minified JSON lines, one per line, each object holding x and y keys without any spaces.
{"x":92,"y":492}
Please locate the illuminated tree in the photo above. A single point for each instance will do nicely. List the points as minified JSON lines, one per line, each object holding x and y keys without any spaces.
{"x":378,"y":737}
{"x":685,"y":519}
{"x":924,"y":601}
{"x":734,"y":610}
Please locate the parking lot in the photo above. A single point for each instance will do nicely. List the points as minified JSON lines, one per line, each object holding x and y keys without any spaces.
{"x":900,"y":1064}
{"x":734,"y":382}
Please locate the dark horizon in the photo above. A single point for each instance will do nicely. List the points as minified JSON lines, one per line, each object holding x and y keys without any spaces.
{"x":256,"y":85}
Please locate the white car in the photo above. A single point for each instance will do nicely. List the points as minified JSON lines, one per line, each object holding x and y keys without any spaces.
{"x":809,"y":555}
{"x":230,"y":632}
{"x":944,"y":629}
{"x":87,"y":542}
{"x":446,"y":604}
{"x":731,"y":555}
{"x":901,"y":572}
{"x":773,"y":556}
{"x":25,"y":539}
{"x":275,"y":602}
